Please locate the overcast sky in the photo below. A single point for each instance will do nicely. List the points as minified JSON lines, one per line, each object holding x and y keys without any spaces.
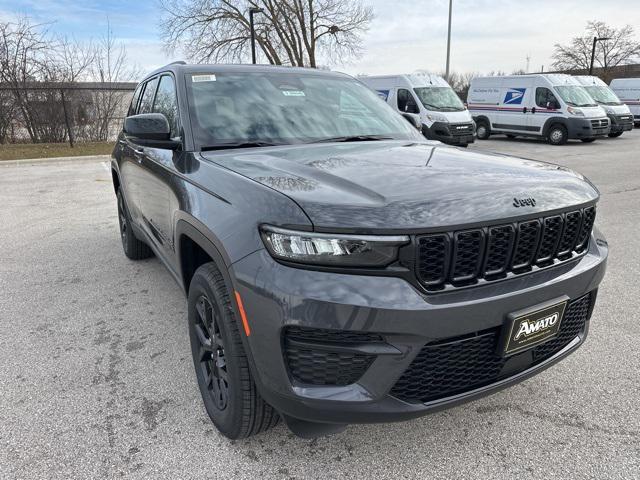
{"x":405,"y":35}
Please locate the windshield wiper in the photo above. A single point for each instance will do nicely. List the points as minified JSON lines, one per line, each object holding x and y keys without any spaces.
{"x":353,"y":138}
{"x":223,"y":146}
{"x":432,"y":106}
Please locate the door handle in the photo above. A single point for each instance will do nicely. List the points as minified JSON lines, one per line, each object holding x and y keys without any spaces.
{"x":533,"y":110}
{"x":138,"y":153}
{"x":524,"y":110}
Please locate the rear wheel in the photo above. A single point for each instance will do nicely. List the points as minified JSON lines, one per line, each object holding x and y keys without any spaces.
{"x":222,"y":368}
{"x":133,"y":248}
{"x":557,"y":135}
{"x":483,"y":130}
{"x":615,"y":134}
{"x":588,"y":140}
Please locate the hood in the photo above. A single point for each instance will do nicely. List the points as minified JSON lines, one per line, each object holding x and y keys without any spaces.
{"x":593,"y":112}
{"x":396,"y":186}
{"x":617,"y":109}
{"x":454,"y":117}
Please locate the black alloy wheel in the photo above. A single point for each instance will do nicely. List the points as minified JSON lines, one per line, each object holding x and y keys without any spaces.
{"x":213,"y":365}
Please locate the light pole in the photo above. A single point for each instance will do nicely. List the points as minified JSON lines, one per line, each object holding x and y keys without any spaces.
{"x":253,"y":11}
{"x":593,"y":51}
{"x":449,"y":40}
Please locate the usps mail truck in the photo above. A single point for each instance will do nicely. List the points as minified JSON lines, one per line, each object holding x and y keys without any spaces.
{"x":443,"y":115}
{"x":550,"y":106}
{"x":620,"y":116}
{"x":628,"y":91}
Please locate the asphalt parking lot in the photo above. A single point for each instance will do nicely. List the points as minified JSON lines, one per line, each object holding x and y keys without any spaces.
{"x":96,"y":378}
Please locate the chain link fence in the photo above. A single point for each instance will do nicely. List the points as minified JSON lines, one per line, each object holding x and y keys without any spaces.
{"x":39,"y":112}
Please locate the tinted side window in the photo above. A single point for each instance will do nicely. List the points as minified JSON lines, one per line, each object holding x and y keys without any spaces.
{"x":134,"y":101}
{"x":166,"y":102}
{"x":544,"y":96}
{"x":406,"y":102}
{"x":146,"y":103}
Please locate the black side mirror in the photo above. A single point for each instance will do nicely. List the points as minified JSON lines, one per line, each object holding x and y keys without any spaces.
{"x":414,"y":120}
{"x":553,"y":105}
{"x":149,"y":130}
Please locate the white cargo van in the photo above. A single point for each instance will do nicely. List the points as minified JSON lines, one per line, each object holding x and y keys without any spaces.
{"x":628,"y":91}
{"x":619,"y":114}
{"x":551,"y":106}
{"x":443,"y":115}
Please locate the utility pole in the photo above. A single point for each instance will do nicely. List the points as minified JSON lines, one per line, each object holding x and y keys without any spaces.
{"x":528,"y":62}
{"x":449,"y":40}
{"x":593,"y":51}
{"x":252,"y":12}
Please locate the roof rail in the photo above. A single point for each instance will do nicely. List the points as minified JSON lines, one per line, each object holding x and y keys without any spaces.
{"x":178,"y":62}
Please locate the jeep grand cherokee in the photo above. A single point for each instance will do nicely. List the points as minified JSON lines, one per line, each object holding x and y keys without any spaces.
{"x":340,"y":268}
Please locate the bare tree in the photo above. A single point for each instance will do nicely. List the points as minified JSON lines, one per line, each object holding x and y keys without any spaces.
{"x":109,"y":65}
{"x":23,"y":54}
{"x":620,"y":49}
{"x":40,"y":70}
{"x":460,"y":82}
{"x":288,"y":32}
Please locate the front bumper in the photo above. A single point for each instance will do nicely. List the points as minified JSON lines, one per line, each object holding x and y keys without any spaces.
{"x":276,"y":296}
{"x":451,"y":133}
{"x":621,"y":123}
{"x":579,"y":128}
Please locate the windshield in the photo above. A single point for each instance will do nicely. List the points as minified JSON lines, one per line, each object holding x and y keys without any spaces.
{"x":603,"y":95}
{"x":269,"y":108}
{"x":575,"y":96}
{"x":442,"y":99}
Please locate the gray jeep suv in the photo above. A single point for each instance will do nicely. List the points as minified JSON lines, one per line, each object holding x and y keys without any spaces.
{"x":339,"y":267}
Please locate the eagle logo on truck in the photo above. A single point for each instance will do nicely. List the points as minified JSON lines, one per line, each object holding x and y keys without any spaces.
{"x":514,"y":96}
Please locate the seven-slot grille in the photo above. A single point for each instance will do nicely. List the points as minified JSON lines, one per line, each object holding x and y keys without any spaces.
{"x":461,"y":258}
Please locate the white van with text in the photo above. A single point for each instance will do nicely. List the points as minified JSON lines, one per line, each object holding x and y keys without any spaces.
{"x":550,"y":106}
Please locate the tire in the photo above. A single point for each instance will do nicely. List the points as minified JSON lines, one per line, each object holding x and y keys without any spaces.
{"x":615,"y":134}
{"x":557,"y":135}
{"x":227,"y":387}
{"x":133,"y":248}
{"x":588,"y":140}
{"x":483,"y":130}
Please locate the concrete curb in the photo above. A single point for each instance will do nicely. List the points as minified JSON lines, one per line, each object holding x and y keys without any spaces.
{"x":54,"y":160}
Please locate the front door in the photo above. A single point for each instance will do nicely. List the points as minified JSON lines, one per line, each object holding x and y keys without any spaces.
{"x":157,"y":172}
{"x":545,"y":106}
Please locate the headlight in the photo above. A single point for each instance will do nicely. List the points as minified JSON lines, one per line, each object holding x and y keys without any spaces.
{"x":436,"y":117}
{"x":332,"y":250}
{"x":575,"y":111}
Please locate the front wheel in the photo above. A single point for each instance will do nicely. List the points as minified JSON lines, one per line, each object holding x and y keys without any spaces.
{"x":227,"y":387}
{"x":615,"y":134}
{"x":588,"y":140}
{"x":557,"y":135}
{"x":483,"y":131}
